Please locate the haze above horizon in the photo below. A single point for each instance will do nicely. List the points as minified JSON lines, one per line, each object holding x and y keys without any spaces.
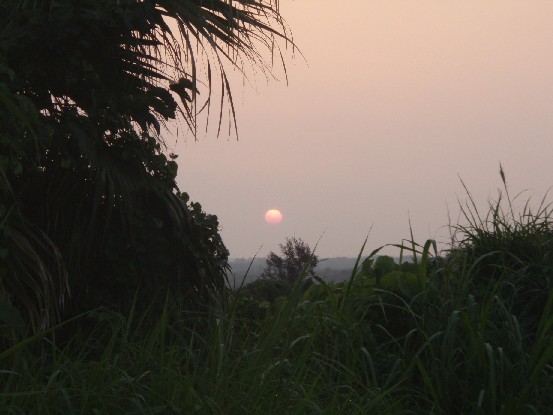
{"x":396,"y":101}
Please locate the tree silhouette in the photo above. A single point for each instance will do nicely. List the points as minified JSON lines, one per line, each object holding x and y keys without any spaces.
{"x":297,"y":259}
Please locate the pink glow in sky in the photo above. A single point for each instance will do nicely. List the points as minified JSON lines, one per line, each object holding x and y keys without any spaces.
{"x":396,"y":101}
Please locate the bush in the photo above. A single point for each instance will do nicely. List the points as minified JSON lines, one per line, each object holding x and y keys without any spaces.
{"x":511,"y":255}
{"x":267,"y":289}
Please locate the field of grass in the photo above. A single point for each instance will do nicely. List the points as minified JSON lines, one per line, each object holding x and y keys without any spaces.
{"x":466,"y":332}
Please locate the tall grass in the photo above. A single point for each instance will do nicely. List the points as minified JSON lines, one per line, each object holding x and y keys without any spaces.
{"x":472,"y":334}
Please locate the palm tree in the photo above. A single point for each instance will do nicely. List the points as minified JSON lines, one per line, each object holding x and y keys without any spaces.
{"x":89,"y":207}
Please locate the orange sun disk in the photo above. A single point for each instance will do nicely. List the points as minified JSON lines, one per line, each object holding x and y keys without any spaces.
{"x":273,"y":216}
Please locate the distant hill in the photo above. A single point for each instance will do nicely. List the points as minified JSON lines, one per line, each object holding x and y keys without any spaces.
{"x":336,"y":269}
{"x":248,"y":268}
{"x":329,"y":269}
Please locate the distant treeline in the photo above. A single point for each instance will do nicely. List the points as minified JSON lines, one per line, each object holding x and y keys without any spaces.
{"x":335,"y":269}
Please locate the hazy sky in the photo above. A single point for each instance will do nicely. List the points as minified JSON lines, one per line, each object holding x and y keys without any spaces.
{"x":396,"y":101}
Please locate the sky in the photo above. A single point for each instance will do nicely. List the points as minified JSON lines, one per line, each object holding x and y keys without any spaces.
{"x":388,"y":105}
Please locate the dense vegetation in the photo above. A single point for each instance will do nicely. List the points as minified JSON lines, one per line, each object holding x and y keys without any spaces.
{"x":89,"y":208}
{"x":468,"y":332}
{"x":112,"y":293}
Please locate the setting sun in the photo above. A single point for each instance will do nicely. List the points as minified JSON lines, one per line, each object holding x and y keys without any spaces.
{"x":273,"y":216}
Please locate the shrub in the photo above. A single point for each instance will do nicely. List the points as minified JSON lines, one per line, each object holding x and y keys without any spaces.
{"x":511,"y":254}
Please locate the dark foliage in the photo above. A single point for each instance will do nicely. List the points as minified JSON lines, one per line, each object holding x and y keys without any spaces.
{"x":513,"y":259}
{"x":266,"y":289}
{"x":510,"y":255}
{"x":89,"y":207}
